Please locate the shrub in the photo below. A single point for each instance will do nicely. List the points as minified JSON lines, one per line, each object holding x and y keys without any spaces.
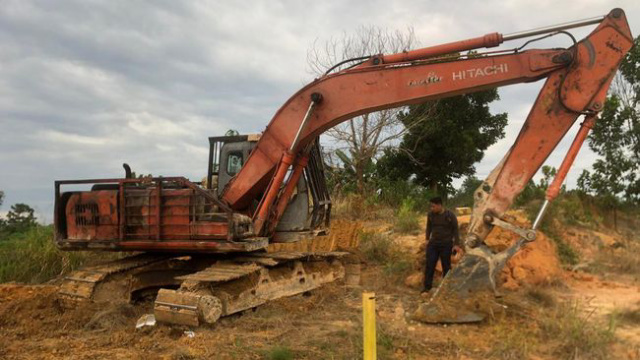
{"x":32,"y":257}
{"x":376,"y":247}
{"x":280,"y":353}
{"x":566,"y":253}
{"x":629,"y":316}
{"x":407,"y":219}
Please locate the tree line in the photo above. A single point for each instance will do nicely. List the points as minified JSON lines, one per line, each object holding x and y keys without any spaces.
{"x":19,"y":219}
{"x":421,"y":149}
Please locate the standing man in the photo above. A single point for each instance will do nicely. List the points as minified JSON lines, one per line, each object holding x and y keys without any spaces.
{"x":442,"y":240}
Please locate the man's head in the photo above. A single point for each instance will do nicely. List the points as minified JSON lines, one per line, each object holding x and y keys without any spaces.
{"x":435,"y":204}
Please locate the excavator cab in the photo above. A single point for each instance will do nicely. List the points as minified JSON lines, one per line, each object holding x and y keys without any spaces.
{"x":309,"y":208}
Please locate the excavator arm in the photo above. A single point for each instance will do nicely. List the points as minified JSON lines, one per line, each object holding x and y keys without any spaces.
{"x":577,"y":81}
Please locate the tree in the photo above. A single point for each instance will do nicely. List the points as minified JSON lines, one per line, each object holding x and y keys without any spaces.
{"x":464,"y":195}
{"x":1,"y":197}
{"x":19,"y":218}
{"x":362,"y":138}
{"x":616,"y":139}
{"x":445,"y":138}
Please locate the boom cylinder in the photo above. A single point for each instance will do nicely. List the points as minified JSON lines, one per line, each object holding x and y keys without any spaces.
{"x":554,"y":188}
{"x":487,"y":41}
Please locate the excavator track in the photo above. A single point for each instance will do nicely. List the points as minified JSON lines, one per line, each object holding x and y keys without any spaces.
{"x":84,"y":285}
{"x":232,"y":286}
{"x":194,"y":290}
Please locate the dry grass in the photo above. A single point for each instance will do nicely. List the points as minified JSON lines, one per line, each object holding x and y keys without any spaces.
{"x":628,"y":316}
{"x":378,"y":248}
{"x":623,"y":260}
{"x":541,"y":296}
{"x":575,"y":335}
{"x":536,"y":323}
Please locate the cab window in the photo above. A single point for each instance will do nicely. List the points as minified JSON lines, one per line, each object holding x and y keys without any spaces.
{"x":234,"y":163}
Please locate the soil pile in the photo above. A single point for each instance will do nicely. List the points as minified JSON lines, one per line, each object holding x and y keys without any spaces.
{"x":537,"y":263}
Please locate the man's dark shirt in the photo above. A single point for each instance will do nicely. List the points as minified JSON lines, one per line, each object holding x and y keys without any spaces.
{"x":442,"y":228}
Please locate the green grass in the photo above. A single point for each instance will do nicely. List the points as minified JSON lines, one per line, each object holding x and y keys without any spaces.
{"x":280,"y":353}
{"x":32,"y":257}
{"x":407,"y":220}
{"x":566,"y":253}
{"x":513,"y":344}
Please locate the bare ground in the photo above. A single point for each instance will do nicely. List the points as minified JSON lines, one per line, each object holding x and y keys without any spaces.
{"x":324,"y":324}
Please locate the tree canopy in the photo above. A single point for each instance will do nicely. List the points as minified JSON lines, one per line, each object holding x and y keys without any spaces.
{"x":446,"y":146}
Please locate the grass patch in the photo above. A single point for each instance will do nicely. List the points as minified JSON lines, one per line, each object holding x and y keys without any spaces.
{"x":32,"y":257}
{"x":378,"y":248}
{"x":566,"y":253}
{"x":624,"y":260}
{"x":574,"y":335}
{"x":541,"y":297}
{"x":407,"y":220}
{"x":398,"y":267}
{"x":629,"y":317}
{"x":280,"y":353}
{"x":513,"y":344}
{"x":548,"y":328}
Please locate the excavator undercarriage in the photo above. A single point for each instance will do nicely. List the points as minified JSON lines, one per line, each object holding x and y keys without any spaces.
{"x":194,"y":290}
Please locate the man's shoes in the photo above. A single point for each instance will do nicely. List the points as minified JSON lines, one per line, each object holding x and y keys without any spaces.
{"x":426,"y":293}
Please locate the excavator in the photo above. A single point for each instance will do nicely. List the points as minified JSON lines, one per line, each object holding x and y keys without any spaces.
{"x":217,"y":247}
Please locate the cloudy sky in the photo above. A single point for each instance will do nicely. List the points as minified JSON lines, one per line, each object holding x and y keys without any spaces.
{"x":87,"y":85}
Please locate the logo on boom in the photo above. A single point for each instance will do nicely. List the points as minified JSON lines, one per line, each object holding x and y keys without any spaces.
{"x":431,"y":78}
{"x":479,"y":72}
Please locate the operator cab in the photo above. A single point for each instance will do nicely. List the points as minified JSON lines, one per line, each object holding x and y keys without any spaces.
{"x":310,"y":206}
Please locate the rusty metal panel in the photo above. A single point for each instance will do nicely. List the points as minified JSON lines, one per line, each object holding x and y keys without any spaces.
{"x":135,"y":216}
{"x":92,"y":215}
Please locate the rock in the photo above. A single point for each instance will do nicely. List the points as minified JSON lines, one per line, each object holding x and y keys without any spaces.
{"x":415,"y":280}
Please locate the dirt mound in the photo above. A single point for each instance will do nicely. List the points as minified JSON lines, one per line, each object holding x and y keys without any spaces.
{"x":34,"y":309}
{"x":537,"y":263}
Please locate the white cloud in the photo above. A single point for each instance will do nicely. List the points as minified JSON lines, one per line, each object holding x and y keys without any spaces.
{"x":85,"y":86}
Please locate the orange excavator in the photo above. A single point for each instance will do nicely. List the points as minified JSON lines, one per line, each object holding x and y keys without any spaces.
{"x":208,"y":247}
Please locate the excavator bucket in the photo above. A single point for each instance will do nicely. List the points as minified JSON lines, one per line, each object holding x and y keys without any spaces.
{"x":466,"y":294}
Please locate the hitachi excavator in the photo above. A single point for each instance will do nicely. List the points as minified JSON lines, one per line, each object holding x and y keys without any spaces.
{"x":210,"y":248}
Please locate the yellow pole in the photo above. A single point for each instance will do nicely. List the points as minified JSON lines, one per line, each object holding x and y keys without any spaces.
{"x":369,"y":325}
